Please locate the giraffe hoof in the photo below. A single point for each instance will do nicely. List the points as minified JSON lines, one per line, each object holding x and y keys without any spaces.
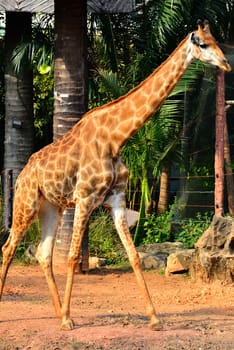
{"x":156,"y":325}
{"x":67,"y":325}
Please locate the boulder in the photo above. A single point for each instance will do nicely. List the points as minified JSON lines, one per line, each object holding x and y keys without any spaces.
{"x":154,"y":256}
{"x":165,"y":247}
{"x":156,"y":261}
{"x":179,"y":261}
{"x":95,"y":262}
{"x":214,"y":252}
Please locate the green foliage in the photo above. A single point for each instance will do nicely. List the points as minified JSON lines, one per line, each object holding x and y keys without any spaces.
{"x":145,"y":199}
{"x":43,"y":105}
{"x":103,"y":238}
{"x":158,"y":228}
{"x":192,"y":229}
{"x":37,"y":51}
{"x":32,"y":237}
{"x":202,"y":172}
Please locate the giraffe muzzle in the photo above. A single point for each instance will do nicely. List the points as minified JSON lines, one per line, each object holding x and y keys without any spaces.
{"x":225,"y":65}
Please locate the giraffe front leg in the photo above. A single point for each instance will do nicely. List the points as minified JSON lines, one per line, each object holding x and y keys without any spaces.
{"x":81,"y":218}
{"x":67,"y":321}
{"x":117,"y":205}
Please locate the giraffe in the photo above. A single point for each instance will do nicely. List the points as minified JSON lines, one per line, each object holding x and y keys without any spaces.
{"x":83,"y":169}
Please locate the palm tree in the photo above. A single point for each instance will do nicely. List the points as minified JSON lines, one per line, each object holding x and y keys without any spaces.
{"x":37,"y":52}
{"x":70,"y":90}
{"x":18,"y":101}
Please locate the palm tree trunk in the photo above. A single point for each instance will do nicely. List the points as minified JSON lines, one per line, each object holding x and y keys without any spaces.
{"x":70,"y":92}
{"x":18,"y":102}
{"x":164,"y":190}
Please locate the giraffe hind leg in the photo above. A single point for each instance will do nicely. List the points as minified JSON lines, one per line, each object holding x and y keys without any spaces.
{"x":17,"y":232}
{"x":25,"y":209}
{"x":49,"y":217}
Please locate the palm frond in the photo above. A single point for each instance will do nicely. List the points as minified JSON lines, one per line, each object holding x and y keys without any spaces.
{"x":38,"y":50}
{"x":111,"y":83}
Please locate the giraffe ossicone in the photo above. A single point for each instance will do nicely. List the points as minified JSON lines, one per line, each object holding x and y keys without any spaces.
{"x":83,"y":169}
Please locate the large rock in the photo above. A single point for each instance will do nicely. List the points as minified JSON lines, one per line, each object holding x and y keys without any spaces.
{"x":214,"y":252}
{"x":154,"y":256}
{"x":156,"y":260}
{"x":165,"y":247}
{"x":179,"y":261}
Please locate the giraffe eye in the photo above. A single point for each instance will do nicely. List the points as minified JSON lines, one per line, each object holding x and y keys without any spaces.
{"x":203,"y":46}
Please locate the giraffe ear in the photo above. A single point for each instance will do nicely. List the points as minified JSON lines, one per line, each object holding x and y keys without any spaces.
{"x":195,"y":39}
{"x":206,"y":26}
{"x":203,"y":25}
{"x":199,"y":24}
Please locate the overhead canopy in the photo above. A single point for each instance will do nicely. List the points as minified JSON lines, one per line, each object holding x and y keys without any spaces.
{"x":47,"y":6}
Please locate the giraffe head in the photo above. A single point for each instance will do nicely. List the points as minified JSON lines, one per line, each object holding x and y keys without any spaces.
{"x":205,"y":48}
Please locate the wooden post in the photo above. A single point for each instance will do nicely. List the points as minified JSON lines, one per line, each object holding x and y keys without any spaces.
{"x":228,"y":164}
{"x":219,"y":144}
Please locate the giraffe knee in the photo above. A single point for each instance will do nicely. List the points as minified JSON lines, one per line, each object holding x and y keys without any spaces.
{"x":72,"y":261}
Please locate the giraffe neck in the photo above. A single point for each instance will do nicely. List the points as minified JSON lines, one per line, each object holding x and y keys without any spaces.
{"x":123,"y":117}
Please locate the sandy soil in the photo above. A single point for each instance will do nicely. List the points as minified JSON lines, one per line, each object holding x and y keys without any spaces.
{"x":109,"y":313}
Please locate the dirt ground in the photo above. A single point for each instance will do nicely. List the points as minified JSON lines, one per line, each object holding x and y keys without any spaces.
{"x":109,"y":313}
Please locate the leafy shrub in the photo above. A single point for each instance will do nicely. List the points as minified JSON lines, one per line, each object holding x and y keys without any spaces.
{"x":103,"y":238}
{"x":192,"y":229}
{"x":158,"y":229}
{"x":32,"y":237}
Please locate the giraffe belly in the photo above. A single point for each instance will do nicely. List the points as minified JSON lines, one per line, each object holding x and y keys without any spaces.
{"x":59,"y":194}
{"x":59,"y":200}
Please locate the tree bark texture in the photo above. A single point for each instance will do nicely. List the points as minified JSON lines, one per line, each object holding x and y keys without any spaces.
{"x":19,"y":132}
{"x":18,"y":97}
{"x":228,"y":170}
{"x":219,"y":144}
{"x":70,"y":95}
{"x":164,"y":192}
{"x":70,"y":71}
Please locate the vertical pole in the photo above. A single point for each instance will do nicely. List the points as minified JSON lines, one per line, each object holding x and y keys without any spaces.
{"x":219,"y":144}
{"x":228,"y":167}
